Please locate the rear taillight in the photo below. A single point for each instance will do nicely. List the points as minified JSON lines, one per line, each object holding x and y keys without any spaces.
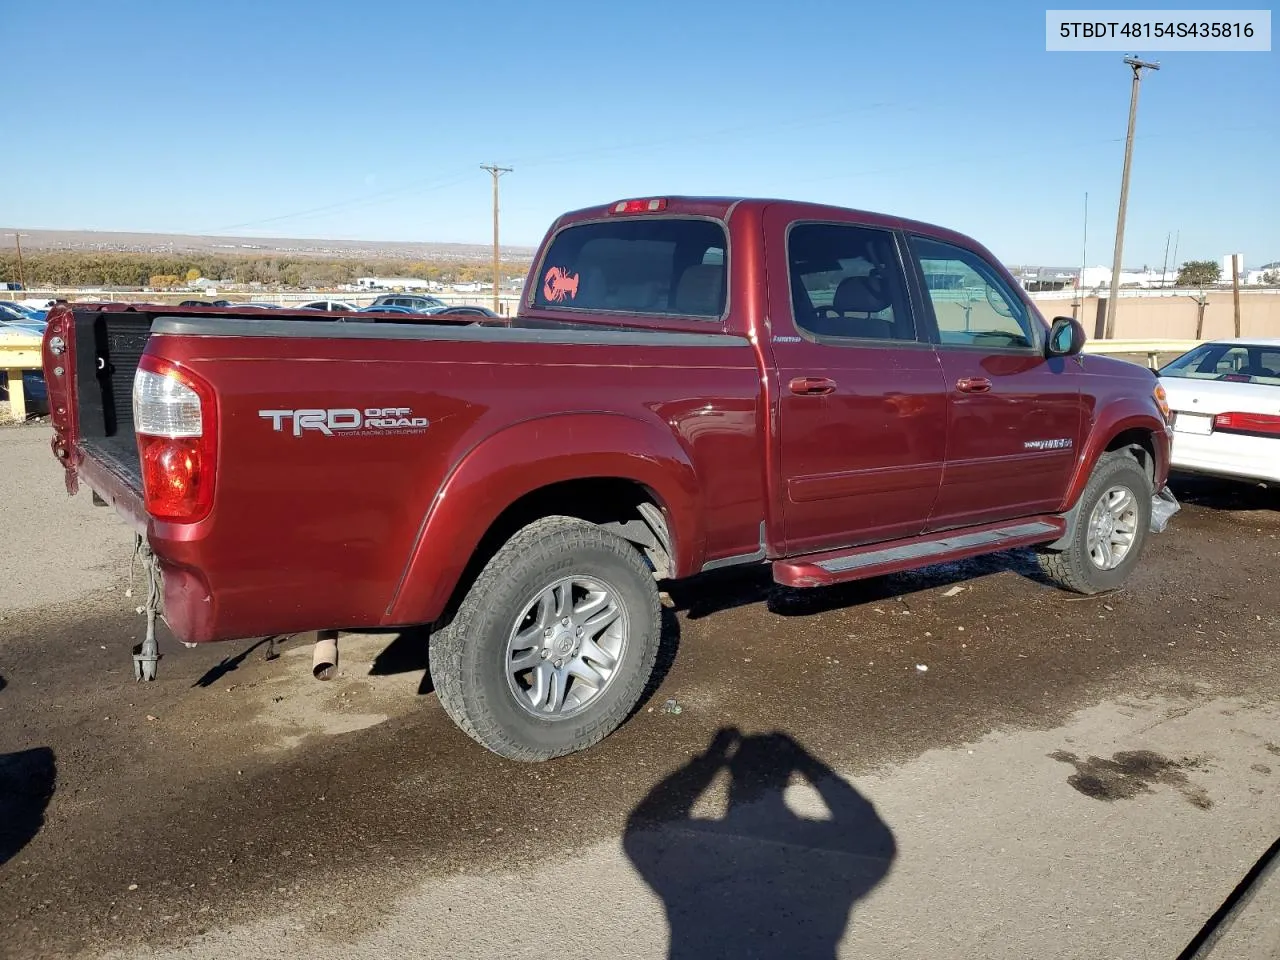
{"x":175,"y":418}
{"x":1257,"y":424}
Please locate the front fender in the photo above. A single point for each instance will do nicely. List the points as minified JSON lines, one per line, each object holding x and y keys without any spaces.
{"x":1111,"y":424}
{"x":528,"y":456}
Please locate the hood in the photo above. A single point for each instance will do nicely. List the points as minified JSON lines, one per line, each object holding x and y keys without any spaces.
{"x":1111,"y":367}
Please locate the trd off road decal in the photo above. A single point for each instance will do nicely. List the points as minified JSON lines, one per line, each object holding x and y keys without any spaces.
{"x":347,"y":421}
{"x":559,"y":285}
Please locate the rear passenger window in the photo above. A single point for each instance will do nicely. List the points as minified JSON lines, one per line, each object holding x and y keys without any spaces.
{"x":847,"y":283}
{"x":668,"y":266}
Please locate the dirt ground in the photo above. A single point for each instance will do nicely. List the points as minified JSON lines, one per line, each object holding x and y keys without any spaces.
{"x":1069,"y":777}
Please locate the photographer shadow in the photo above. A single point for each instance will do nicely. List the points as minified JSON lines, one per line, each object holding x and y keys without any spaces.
{"x":28,"y":779}
{"x":763,"y":880}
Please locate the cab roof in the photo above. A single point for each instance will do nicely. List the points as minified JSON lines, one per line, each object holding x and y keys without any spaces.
{"x":722,"y":208}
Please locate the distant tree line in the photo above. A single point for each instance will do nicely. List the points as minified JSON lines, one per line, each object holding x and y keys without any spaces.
{"x":105,"y":269}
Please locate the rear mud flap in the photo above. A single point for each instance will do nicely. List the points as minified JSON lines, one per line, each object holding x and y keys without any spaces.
{"x":1163,"y":506}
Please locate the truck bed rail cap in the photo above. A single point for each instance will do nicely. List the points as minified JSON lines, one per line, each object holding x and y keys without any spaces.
{"x":329,"y":330}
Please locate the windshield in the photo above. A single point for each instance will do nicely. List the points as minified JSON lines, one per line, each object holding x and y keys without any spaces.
{"x":1232,"y":362}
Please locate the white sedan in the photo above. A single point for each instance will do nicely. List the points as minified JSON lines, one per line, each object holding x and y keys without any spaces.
{"x":1225,"y":398}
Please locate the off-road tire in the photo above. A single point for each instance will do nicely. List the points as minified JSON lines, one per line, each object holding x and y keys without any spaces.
{"x":467,"y":658}
{"x":1071,"y":567}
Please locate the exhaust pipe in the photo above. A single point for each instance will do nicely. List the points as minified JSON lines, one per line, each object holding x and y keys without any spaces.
{"x":324,"y":659}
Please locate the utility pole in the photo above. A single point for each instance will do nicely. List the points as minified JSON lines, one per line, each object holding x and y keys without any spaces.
{"x":497,"y":172}
{"x":1113,"y":294}
{"x":22,"y":274}
{"x":1084,"y":258}
{"x":1235,"y":288}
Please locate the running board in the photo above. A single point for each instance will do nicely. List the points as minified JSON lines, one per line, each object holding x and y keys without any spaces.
{"x":877,"y":559}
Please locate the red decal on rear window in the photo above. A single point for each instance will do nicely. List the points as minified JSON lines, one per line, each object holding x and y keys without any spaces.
{"x":559,"y":285}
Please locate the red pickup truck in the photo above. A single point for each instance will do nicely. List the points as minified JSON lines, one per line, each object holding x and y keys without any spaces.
{"x":690,"y":383}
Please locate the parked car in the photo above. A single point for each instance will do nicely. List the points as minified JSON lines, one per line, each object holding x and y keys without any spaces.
{"x":30,"y":311}
{"x":835,"y":393}
{"x":206,"y":303}
{"x":1225,"y":398}
{"x":480,"y":313}
{"x":389,"y":308}
{"x":14,"y":320}
{"x":329,"y":306}
{"x":414,"y":302}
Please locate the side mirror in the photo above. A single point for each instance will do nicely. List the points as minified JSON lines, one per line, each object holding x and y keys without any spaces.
{"x":1066,"y":337}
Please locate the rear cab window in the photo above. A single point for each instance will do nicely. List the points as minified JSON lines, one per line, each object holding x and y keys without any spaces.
{"x":668,"y":266}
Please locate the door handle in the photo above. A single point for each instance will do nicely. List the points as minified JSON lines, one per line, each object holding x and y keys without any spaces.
{"x":973,"y":385}
{"x":812,"y":386}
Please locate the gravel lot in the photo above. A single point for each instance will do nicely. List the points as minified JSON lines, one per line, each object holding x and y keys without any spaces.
{"x":1070,"y":777}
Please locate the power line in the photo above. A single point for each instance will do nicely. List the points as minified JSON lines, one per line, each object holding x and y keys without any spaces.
{"x":755,"y":129}
{"x":427,"y":184}
{"x":424,"y":185}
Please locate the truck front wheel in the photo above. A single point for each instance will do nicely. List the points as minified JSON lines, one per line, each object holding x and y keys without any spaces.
{"x":1110,"y":531}
{"x":552,"y":646}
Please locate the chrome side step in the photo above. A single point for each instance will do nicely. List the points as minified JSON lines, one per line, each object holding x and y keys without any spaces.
{"x":920,"y":551}
{"x":877,"y":559}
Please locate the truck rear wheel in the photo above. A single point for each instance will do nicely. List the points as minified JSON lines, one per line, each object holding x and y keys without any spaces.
{"x":552,"y":646}
{"x":1110,"y":530}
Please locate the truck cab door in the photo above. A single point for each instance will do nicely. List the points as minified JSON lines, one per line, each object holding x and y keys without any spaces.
{"x":861,"y":401}
{"x":1014,"y":415}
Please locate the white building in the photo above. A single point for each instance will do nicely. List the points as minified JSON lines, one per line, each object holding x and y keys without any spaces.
{"x":396,"y":283}
{"x":1100,"y":278}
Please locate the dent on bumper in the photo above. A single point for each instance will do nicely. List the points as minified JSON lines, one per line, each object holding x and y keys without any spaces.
{"x":189,"y":608}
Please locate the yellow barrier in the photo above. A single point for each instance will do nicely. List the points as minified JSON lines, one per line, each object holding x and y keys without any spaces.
{"x":16,"y":355}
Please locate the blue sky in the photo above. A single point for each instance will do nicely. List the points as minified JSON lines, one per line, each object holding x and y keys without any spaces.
{"x":345,"y":120}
